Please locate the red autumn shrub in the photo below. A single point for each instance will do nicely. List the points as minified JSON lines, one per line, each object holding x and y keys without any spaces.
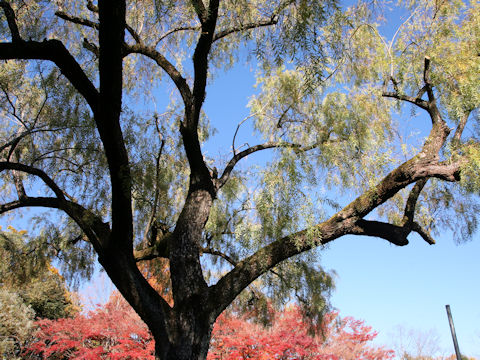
{"x":236,"y":338}
{"x":115,"y":332}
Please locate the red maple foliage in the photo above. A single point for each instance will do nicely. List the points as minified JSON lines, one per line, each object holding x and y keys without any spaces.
{"x":236,"y":338}
{"x":115,"y":332}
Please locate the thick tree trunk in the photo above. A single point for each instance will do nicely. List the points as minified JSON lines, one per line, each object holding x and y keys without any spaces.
{"x":189,"y":323}
{"x":189,"y":336}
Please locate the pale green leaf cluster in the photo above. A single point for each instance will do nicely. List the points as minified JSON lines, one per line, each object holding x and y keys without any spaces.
{"x":348,"y":129}
{"x":16,"y":324}
{"x":34,"y":280}
{"x":301,"y":280}
{"x":447,"y":33}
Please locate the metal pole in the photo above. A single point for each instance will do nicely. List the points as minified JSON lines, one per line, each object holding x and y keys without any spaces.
{"x":454,"y":336}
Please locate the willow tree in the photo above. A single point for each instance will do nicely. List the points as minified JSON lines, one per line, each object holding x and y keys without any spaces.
{"x":81,"y":134}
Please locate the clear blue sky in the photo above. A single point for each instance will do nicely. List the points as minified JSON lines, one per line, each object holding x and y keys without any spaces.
{"x":389,"y":286}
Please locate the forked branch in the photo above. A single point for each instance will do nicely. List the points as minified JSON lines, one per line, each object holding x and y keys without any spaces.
{"x":93,"y":226}
{"x":34,"y":171}
{"x":394,"y":234}
{"x":416,"y":100}
{"x":347,"y":221}
{"x":94,"y":25}
{"x":179,"y":81}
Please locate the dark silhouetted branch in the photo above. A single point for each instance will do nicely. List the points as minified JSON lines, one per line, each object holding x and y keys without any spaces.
{"x":12,"y":23}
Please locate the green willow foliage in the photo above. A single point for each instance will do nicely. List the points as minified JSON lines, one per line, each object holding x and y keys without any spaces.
{"x":26,"y":271}
{"x":16,"y":324}
{"x":321,"y":72}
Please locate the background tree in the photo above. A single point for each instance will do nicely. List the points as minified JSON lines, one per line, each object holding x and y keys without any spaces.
{"x":38,"y":284}
{"x":16,"y":324}
{"x":30,"y":289}
{"x":413,"y":343}
{"x":136,"y":184}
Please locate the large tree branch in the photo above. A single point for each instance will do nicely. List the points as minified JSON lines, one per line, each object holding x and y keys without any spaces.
{"x":412,"y":201}
{"x":12,"y":23}
{"x":33,"y":171}
{"x":351,"y":218}
{"x":77,"y":20}
{"x":348,"y":220}
{"x":200,"y":57}
{"x":115,"y":256}
{"x":199,"y":173}
{"x":179,"y":81}
{"x":397,"y":235}
{"x":200,"y":177}
{"x":93,"y":226}
{"x":120,"y":266}
{"x":185,"y":268}
{"x":111,"y":40}
{"x":394,"y":234}
{"x":55,"y":51}
{"x":460,"y":127}
{"x":200,"y":9}
{"x":83,"y":217}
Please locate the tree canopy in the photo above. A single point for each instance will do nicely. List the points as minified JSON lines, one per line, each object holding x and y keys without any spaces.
{"x":38,"y":284}
{"x":83,"y":133}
